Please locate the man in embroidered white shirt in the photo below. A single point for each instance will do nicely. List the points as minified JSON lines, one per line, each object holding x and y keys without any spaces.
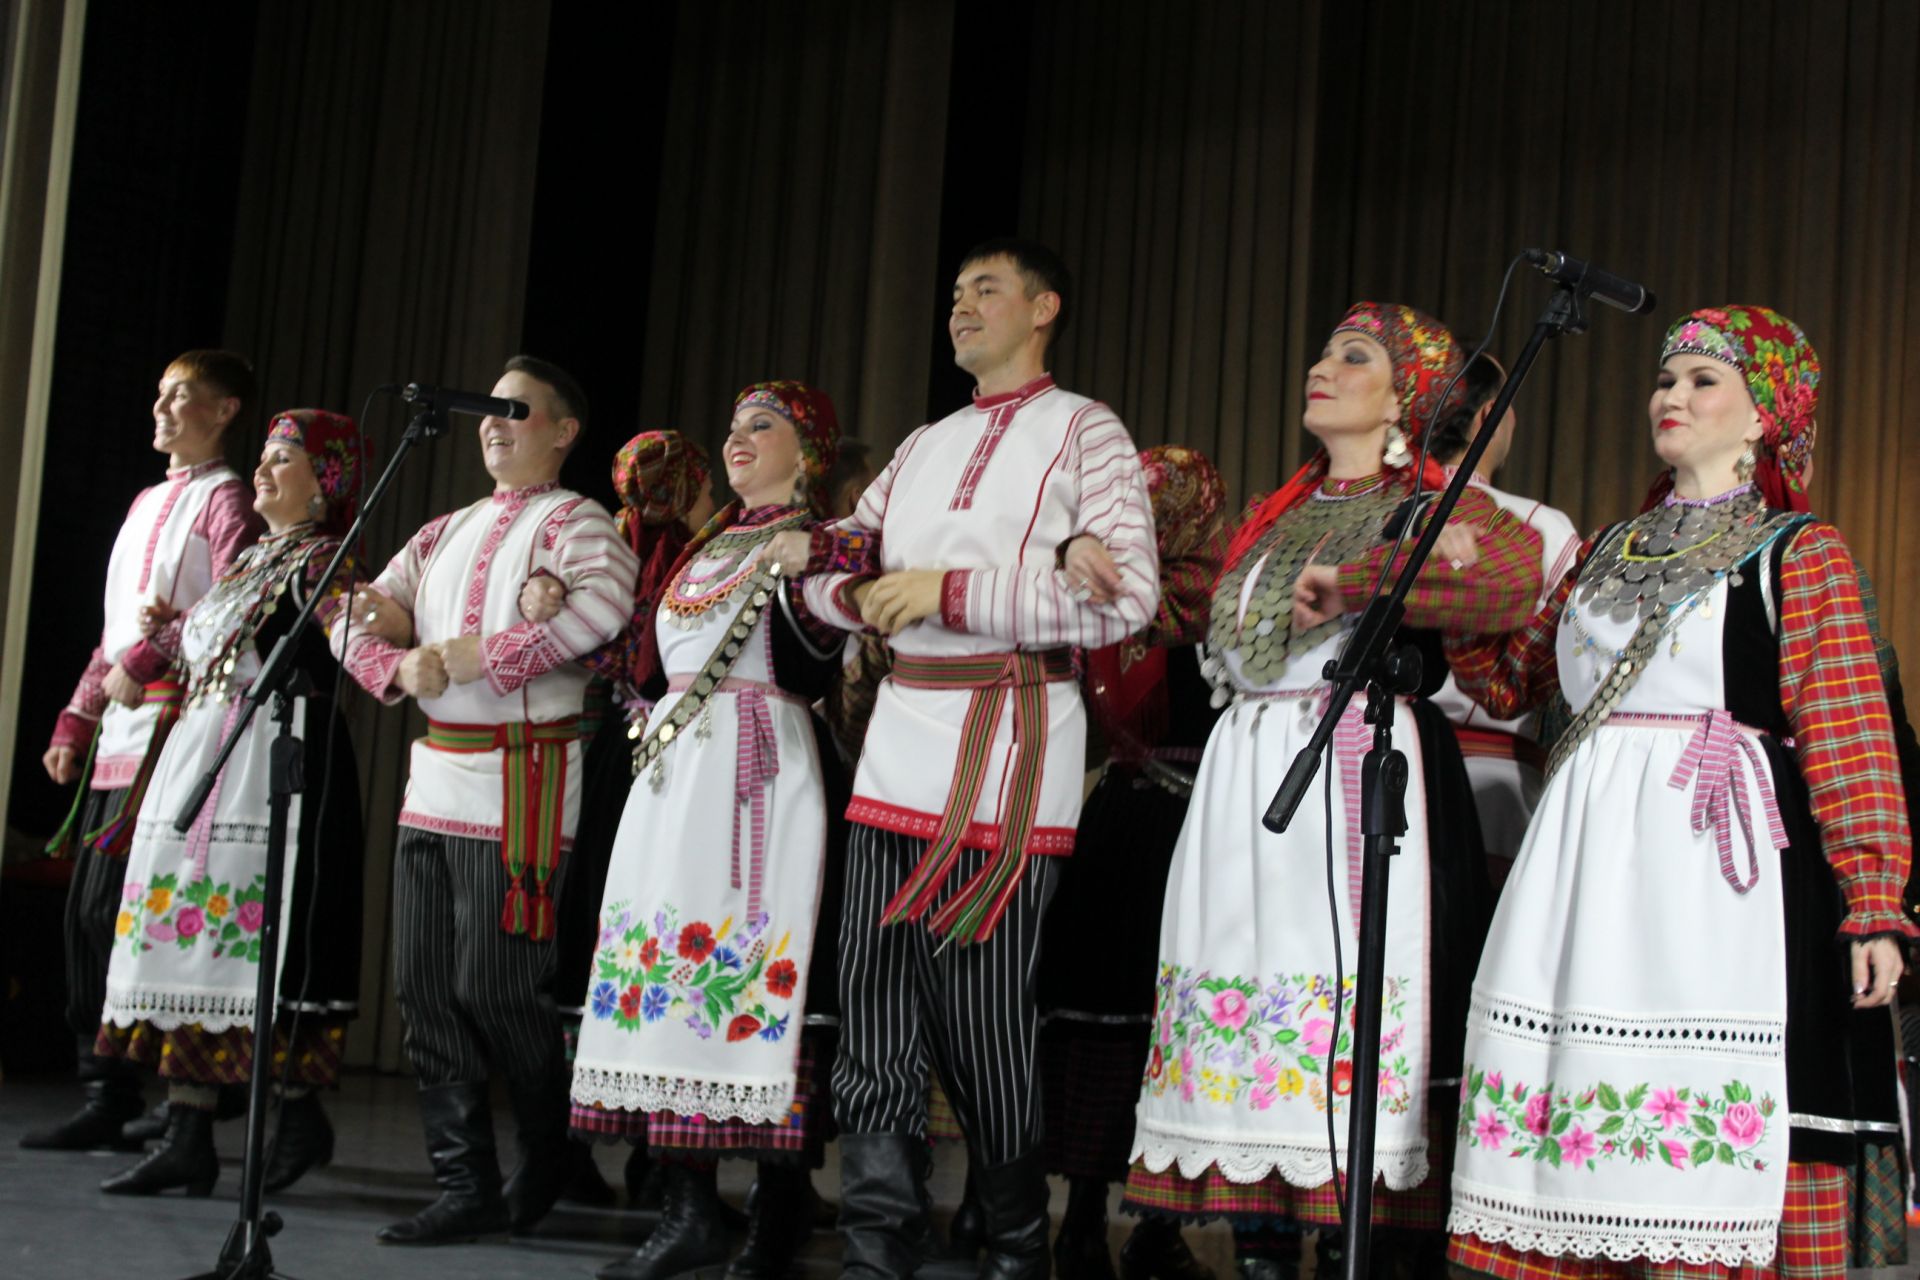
{"x":493,"y":795}
{"x":969,"y":783}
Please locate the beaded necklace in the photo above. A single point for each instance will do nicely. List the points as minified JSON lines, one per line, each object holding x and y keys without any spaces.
{"x":232,"y":613}
{"x":724,"y":564}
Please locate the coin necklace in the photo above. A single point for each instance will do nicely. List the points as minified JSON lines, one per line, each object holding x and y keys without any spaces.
{"x":723,"y":565}
{"x":241,"y":602}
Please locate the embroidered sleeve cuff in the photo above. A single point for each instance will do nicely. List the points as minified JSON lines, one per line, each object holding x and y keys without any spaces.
{"x":73,"y":730}
{"x":373,"y":664}
{"x":833,"y":550}
{"x":953,"y":599}
{"x":517,"y":655}
{"x":146,"y":662}
{"x":1875,"y":908}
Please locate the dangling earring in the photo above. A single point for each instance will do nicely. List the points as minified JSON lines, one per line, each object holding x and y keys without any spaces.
{"x":1744,"y":464}
{"x":1397,"y":453}
{"x":316,"y":506}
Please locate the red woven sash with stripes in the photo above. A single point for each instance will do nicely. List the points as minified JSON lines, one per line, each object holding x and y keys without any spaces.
{"x":974,"y":909}
{"x":533,"y":776}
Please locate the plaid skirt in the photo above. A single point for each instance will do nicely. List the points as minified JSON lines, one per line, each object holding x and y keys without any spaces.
{"x":193,"y":1055}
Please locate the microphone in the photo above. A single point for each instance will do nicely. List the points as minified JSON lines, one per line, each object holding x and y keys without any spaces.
{"x":473,"y":402}
{"x":1634,"y":299}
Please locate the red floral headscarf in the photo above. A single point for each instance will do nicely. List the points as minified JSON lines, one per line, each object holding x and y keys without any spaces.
{"x":333,"y":445}
{"x":811,"y":412}
{"x":1425,"y":357}
{"x":659,"y":476}
{"x":1782,"y":371}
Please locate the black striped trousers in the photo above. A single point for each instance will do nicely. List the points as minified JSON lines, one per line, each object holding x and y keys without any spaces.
{"x":470,"y":994}
{"x":905,"y":1000}
{"x":93,"y":907}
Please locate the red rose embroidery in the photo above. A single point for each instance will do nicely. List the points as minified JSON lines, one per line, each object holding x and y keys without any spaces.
{"x":781,"y":975}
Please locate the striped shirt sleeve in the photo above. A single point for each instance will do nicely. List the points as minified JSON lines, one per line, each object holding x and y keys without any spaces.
{"x":1494,"y":594}
{"x":599,"y":571}
{"x":229,"y":524}
{"x":1831,"y":690}
{"x":371,"y":661}
{"x":827,"y":591}
{"x":1031,"y":604}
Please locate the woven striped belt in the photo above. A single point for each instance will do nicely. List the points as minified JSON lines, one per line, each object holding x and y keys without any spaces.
{"x":533,"y":778}
{"x":114,"y":835}
{"x":1711,"y":762}
{"x":756,"y":763}
{"x":973,"y":911}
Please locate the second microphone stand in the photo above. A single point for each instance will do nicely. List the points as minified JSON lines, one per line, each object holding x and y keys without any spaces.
{"x":1388,"y":671}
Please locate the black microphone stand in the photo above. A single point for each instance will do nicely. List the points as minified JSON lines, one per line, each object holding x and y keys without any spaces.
{"x":245,"y":1255}
{"x":1388,"y":670}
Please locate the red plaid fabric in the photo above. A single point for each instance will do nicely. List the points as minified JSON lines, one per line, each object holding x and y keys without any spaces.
{"x":194,"y":1055}
{"x":1813,"y":1244}
{"x":1212,"y":1195}
{"x":1831,"y":690}
{"x":807,"y":1127}
{"x":1494,"y":595}
{"x":1512,"y":673}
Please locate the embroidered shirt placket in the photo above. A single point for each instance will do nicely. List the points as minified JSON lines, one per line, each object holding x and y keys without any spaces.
{"x":511,"y":505}
{"x":997,"y":423}
{"x":177,"y":485}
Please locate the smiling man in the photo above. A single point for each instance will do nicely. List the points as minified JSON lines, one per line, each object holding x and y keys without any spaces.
{"x":969,"y":783}
{"x":178,"y":539}
{"x":493,"y":796}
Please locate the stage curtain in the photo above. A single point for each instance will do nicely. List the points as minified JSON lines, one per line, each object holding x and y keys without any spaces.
{"x":383,"y":234}
{"x":798,"y":211}
{"x":1226,"y":177}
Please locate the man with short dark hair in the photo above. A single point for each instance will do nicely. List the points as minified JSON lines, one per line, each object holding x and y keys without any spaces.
{"x":969,"y":783}
{"x":178,"y":539}
{"x":1504,"y":757}
{"x":493,"y":796}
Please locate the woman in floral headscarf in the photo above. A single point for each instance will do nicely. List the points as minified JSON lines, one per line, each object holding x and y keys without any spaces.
{"x":1725,"y":805}
{"x":1245,"y":1056}
{"x":1097,"y":952}
{"x":698,"y":992}
{"x":180,"y":988}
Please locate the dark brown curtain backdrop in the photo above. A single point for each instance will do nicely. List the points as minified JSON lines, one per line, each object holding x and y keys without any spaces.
{"x":383,"y":237}
{"x":799,"y":210}
{"x":1226,"y":178}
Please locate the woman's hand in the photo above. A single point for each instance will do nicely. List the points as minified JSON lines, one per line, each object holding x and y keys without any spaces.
{"x":541,"y":597}
{"x":1877,"y":966}
{"x":155,"y":615}
{"x":790,"y":550}
{"x":1091,"y":572}
{"x":380,"y":616}
{"x":1317,"y":597}
{"x":1457,"y":546}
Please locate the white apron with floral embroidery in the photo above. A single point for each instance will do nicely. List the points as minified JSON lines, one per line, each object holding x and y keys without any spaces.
{"x":1625,"y":1092}
{"x":1238,"y":1076}
{"x":698,"y":986}
{"x":187,"y":940}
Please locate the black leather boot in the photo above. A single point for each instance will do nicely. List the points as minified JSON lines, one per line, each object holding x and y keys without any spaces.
{"x":779,"y":1220}
{"x":1013,"y":1201}
{"x":460,"y":1144}
{"x":540,"y":1112}
{"x":883,"y":1215}
{"x":692,"y":1231}
{"x":967,"y":1230}
{"x":142,"y":1129}
{"x":112,"y":1099}
{"x":1157,"y":1251}
{"x":1080,"y":1251}
{"x":302,"y":1140}
{"x":184,"y":1158}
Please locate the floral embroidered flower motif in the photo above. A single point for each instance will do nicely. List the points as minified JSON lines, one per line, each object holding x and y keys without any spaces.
{"x":708,"y":978}
{"x":1234,"y":1041}
{"x":1680,"y":1127}
{"x":204,"y":913}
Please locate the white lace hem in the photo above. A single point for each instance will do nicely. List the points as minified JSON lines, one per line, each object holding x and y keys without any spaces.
{"x":1299,"y":1164}
{"x":171,"y":1010}
{"x":715,"y":1099}
{"x":1618,"y":1234}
